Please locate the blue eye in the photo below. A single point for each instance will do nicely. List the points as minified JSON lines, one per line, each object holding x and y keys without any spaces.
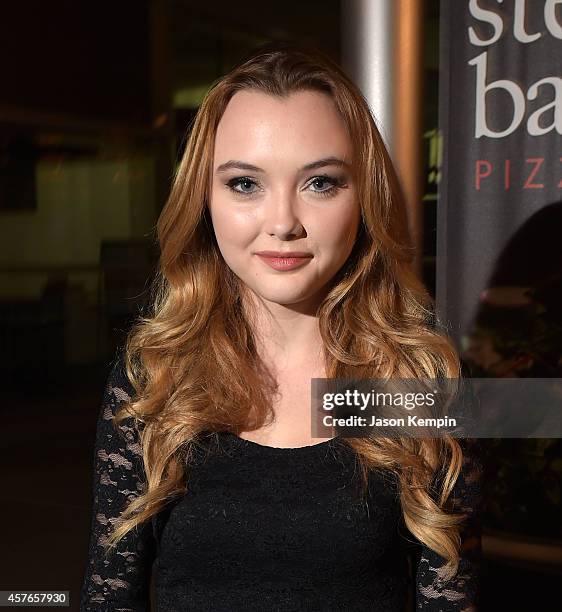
{"x":243,"y":180}
{"x":336,"y":184}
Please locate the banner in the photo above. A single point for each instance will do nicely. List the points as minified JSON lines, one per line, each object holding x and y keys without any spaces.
{"x":499,"y":224}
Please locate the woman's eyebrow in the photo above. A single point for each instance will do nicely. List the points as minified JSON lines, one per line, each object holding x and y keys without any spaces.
{"x":240,"y":165}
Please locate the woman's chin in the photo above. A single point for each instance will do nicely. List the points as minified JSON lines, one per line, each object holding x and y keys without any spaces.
{"x":289,"y":296}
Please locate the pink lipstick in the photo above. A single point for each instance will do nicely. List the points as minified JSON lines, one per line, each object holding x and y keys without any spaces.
{"x":284,"y":261}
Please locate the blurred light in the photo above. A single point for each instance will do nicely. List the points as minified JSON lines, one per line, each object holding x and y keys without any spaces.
{"x":190,"y":97}
{"x":161,"y":120}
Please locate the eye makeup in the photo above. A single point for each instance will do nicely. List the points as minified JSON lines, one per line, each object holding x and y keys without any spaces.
{"x":336,"y":185}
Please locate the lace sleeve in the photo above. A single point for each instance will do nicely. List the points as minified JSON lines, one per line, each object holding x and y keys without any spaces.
{"x":460,"y":593}
{"x":122,"y":582}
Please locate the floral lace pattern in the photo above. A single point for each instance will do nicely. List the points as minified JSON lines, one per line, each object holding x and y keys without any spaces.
{"x":461,"y":593}
{"x":120,"y":583}
{"x":210,"y":545}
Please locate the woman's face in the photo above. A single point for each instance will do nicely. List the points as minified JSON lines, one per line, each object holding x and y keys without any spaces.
{"x":283,"y":183}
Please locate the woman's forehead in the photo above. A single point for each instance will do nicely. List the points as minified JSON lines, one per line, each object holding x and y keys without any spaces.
{"x":300,"y":127}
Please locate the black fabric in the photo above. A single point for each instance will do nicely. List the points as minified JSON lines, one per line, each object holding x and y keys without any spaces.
{"x":263,"y":528}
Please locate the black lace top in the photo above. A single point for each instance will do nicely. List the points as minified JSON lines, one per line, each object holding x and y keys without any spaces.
{"x":264,"y":528}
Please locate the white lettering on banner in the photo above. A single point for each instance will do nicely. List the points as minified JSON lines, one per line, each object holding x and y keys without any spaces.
{"x":519,"y":24}
{"x":519,"y":32}
{"x":487,"y":16}
{"x":517,"y":97}
{"x":550,"y":18}
{"x":548,"y":88}
{"x":533,"y":126}
{"x":518,"y":102}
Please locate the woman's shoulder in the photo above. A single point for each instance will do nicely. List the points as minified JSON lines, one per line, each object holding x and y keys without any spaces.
{"x":118,"y":381}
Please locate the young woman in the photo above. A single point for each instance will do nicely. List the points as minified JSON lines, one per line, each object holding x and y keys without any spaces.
{"x":284,"y":257}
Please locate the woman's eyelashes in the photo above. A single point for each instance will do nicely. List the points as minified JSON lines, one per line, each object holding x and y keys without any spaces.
{"x":244,"y":186}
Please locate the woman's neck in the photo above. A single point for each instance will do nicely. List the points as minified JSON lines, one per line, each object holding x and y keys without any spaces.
{"x":287,"y":336}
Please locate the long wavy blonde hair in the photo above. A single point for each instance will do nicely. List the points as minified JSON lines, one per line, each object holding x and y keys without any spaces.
{"x":193,"y":361}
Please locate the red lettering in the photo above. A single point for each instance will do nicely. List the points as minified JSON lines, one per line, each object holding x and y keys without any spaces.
{"x":538,"y":163}
{"x":506,"y":174}
{"x":480,"y":174}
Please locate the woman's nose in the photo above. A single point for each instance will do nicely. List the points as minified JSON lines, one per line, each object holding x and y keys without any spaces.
{"x":282,"y":217}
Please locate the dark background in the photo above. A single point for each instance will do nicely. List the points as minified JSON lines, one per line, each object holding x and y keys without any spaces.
{"x":95,"y":99}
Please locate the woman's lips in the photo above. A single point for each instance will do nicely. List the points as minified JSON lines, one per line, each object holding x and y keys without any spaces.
{"x":285,"y":262}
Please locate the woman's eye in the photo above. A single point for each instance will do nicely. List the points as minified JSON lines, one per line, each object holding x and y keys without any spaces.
{"x":243,"y":182}
{"x":320,"y":181}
